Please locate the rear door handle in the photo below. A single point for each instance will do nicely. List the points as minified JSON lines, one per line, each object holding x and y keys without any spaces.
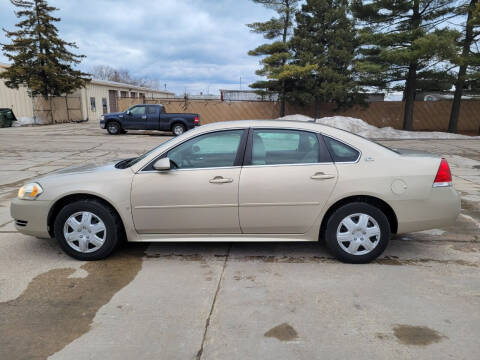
{"x":321,"y":176}
{"x":220,"y":180}
{"x":144,"y":117}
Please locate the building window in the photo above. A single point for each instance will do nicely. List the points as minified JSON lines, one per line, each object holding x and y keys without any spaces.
{"x":123,"y":94}
{"x":133,"y":94}
{"x":104,"y":105}
{"x":92,"y":104}
{"x":141,"y":95}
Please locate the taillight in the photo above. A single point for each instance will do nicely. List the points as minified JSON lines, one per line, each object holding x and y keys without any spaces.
{"x":196,"y":120}
{"x":444,"y":176}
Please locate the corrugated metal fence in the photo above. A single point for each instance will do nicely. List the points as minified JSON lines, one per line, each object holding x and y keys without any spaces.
{"x":431,"y":116}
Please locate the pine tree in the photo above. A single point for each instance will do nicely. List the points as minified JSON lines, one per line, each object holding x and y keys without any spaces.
{"x":323,"y":47}
{"x":402,"y":42}
{"x":40,"y":59}
{"x":468,"y":60}
{"x":275,"y":54}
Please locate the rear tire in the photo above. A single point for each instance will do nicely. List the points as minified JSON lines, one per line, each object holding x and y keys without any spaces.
{"x":114,"y":128}
{"x":87,"y":230}
{"x":178,"y":129}
{"x":357,"y":233}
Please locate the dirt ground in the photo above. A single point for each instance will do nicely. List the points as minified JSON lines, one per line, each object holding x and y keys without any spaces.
{"x":420,"y":300}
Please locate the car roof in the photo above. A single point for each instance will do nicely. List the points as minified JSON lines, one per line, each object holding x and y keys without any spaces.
{"x":308,"y":125}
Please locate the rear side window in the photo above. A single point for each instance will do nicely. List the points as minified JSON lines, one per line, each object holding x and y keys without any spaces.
{"x":274,"y":147}
{"x":341,"y":152}
{"x":151,"y":110}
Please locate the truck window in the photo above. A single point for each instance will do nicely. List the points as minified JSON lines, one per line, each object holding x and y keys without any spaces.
{"x":138,"y":110}
{"x":151,"y":110}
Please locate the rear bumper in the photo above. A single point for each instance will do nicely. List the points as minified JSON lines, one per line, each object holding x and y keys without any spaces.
{"x":440,"y":209}
{"x":31,"y":216}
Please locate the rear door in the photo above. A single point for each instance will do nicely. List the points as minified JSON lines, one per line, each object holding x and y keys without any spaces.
{"x":286,"y":180}
{"x":153,"y":118}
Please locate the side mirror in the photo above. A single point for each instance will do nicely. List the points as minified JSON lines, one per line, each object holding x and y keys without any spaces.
{"x":128,"y":112}
{"x":162,"y":164}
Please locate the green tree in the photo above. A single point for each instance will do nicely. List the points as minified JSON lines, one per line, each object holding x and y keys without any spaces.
{"x":403,"y":41}
{"x":275,"y":54}
{"x":468,"y":61}
{"x":40,"y":59}
{"x":323,"y":47}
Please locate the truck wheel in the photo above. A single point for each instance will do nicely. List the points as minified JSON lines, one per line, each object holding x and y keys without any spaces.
{"x":113,"y":128}
{"x":178,"y":129}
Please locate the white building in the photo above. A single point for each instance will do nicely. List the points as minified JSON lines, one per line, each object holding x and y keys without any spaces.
{"x":97,"y":98}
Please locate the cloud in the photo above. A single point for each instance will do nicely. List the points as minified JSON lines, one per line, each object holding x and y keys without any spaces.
{"x":193,"y":44}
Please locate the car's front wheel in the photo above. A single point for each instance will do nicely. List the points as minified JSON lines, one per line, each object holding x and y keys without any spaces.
{"x":114,"y":128}
{"x":87,"y":230}
{"x":357,"y":233}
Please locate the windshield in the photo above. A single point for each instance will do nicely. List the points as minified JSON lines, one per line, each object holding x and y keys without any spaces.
{"x":130,"y":162}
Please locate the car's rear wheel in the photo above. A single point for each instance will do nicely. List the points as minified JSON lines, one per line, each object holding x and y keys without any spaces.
{"x":357,"y":233}
{"x":178,"y":129}
{"x":114,"y":128}
{"x":87,"y":230}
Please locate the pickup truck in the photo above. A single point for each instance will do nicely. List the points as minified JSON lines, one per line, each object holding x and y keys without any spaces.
{"x":148,"y":117}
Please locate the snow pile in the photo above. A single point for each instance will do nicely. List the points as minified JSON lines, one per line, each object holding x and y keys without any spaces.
{"x":23,"y":121}
{"x":360,"y":127}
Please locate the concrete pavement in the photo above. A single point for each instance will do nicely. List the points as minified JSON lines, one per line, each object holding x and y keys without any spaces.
{"x":421,"y":299}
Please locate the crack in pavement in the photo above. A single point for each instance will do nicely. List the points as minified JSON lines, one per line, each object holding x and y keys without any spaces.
{"x":207,"y":323}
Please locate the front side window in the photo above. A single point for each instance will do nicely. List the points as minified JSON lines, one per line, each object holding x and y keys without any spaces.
{"x":218,"y":149}
{"x":137,"y":110}
{"x":341,"y":152}
{"x":274,"y":147}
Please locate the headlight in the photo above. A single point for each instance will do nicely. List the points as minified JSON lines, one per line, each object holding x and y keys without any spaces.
{"x":30,"y":191}
{"x":102,"y":118}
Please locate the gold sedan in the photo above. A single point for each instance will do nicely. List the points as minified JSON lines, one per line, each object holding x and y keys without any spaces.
{"x":245,"y":181}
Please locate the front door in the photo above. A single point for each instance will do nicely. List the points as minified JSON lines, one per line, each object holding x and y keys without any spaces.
{"x":136,"y":119}
{"x":199,"y":195}
{"x":286,"y":183}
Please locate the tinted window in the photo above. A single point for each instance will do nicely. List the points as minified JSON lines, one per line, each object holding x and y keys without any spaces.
{"x":272,"y":147}
{"x":210,"y":150}
{"x":341,"y":152}
{"x":151,"y":110}
{"x":138,"y":110}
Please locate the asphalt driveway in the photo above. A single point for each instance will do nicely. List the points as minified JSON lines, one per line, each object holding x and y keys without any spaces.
{"x":233,"y":301}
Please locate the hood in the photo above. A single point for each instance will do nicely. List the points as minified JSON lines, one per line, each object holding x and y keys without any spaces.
{"x":114,"y":114}
{"x":84,"y":169}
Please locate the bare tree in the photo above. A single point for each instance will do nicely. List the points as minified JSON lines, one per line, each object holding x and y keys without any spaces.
{"x":105,"y":72}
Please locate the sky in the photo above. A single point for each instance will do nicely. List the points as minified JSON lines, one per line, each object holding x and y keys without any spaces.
{"x":192,"y":45}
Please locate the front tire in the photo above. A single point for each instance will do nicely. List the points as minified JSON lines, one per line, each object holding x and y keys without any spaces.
{"x":357,"y":233}
{"x":114,"y":128}
{"x":87,"y":230}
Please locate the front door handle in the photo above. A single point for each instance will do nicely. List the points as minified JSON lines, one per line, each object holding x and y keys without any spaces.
{"x":220,"y":180}
{"x":321,"y":176}
{"x":144,"y":117}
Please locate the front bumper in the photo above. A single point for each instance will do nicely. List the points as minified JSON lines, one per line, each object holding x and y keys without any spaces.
{"x":31,"y":216}
{"x":102,"y":124}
